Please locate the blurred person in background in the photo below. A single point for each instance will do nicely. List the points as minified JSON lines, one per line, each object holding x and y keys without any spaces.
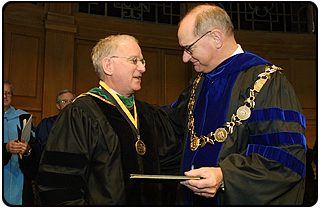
{"x":63,"y":98}
{"x":19,"y":157}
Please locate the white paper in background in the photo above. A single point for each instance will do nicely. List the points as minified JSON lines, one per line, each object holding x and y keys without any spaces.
{"x":26,"y":130}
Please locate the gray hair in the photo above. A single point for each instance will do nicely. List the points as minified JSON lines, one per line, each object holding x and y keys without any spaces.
{"x":104,"y":48}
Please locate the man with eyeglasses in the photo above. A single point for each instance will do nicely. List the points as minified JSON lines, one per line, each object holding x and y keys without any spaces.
{"x":244,"y":127}
{"x":106,"y":134}
{"x":63,"y":98}
{"x":19,"y":157}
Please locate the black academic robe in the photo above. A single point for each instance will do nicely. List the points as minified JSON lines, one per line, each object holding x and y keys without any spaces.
{"x":263,"y":160}
{"x":43,"y":130}
{"x":90,"y":154}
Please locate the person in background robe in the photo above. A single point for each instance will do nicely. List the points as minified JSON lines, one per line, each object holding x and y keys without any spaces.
{"x":19,"y":157}
{"x":244,"y":127}
{"x":63,"y":98}
{"x":106,"y":134}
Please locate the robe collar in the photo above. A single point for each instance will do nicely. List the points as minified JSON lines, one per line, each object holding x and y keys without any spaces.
{"x":12,"y":112}
{"x":100,"y":92}
{"x":242,"y":61}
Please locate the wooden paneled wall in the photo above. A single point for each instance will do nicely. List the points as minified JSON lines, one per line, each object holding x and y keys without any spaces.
{"x":47,"y":48}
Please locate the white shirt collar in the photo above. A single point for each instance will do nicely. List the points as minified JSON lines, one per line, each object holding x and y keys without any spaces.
{"x":239,"y":50}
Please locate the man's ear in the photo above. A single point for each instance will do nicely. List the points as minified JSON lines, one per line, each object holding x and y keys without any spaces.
{"x":217,"y":37}
{"x":106,"y":65}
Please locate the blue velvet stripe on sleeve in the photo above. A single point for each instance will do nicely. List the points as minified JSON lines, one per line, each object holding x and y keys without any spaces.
{"x":279,"y":155}
{"x":264,"y":144}
{"x":277,"y":114}
{"x":280,"y":138}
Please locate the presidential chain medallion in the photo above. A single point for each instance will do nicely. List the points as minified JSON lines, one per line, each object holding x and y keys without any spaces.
{"x":242,"y":113}
{"x":220,"y":135}
{"x":194,"y":143}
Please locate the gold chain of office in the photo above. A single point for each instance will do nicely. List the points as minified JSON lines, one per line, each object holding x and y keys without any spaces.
{"x":242,"y":113}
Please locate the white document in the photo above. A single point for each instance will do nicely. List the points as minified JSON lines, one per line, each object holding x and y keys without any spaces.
{"x":167,"y":177}
{"x":26,"y":129}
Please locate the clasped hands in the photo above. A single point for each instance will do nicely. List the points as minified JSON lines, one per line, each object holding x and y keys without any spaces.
{"x":208,"y":185}
{"x":17,"y":146}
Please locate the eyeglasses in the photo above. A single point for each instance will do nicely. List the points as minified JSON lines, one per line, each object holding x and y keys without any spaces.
{"x":188,"y":48}
{"x":7,"y":94}
{"x":133,"y":60}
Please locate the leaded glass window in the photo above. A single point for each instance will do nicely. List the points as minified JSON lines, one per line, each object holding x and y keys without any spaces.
{"x":295,"y":17}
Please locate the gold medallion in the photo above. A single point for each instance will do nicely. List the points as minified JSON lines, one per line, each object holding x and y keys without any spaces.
{"x":243,"y":112}
{"x":140,"y":147}
{"x":220,"y":135}
{"x":194,"y":143}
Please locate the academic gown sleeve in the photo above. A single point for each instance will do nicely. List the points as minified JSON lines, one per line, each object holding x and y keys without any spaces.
{"x":169,"y":148}
{"x":81,"y":164}
{"x":168,"y":144}
{"x":263,"y":161}
{"x":176,"y":113}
